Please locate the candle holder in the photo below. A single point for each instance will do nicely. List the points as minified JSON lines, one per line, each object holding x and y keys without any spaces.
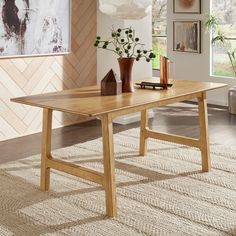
{"x":166,"y":71}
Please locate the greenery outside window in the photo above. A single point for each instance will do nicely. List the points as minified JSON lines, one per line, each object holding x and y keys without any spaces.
{"x":159,"y":30}
{"x":224,"y":11}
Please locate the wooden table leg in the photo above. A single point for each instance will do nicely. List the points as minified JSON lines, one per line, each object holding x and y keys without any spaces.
{"x":109,"y":166}
{"x":143,"y":138}
{"x":46,"y":149}
{"x":204,"y":135}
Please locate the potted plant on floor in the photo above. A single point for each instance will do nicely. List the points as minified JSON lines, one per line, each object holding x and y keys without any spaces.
{"x":127,"y":47}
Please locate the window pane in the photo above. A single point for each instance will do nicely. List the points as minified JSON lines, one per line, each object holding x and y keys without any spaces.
{"x":159,"y":28}
{"x":159,"y":48}
{"x":221,"y":61}
{"x":225,"y":12}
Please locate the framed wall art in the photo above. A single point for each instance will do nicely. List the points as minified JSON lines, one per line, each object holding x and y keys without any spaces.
{"x":33,"y":27}
{"x":187,"y":36}
{"x":187,"y":6}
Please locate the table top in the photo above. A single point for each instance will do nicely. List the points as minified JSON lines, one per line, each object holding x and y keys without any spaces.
{"x":87,"y":101}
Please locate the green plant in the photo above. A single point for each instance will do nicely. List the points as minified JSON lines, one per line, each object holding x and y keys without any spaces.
{"x":125,"y":44}
{"x":212,"y":24}
{"x":232,"y":58}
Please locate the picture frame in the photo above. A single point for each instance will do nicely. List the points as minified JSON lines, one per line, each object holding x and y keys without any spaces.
{"x":35,"y":28}
{"x":187,"y":6}
{"x":187,"y":36}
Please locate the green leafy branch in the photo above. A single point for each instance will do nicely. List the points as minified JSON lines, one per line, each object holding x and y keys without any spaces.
{"x":125,"y":44}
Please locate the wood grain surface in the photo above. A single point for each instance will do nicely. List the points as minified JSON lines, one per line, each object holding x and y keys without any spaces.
{"x":87,"y":101}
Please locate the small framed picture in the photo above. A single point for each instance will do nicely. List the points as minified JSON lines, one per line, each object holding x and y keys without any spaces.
{"x":187,"y":36}
{"x":187,"y":6}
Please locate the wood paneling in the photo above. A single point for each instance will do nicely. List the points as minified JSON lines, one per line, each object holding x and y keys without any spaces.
{"x":28,"y":76}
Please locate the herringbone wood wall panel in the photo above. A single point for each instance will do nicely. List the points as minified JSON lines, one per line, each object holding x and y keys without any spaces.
{"x":28,"y":76}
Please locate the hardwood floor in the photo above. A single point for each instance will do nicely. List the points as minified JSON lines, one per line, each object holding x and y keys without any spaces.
{"x":181,"y":119}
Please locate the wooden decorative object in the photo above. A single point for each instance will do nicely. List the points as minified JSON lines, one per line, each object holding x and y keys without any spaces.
{"x":164,"y":70}
{"x":111,"y":85}
{"x":145,"y":85}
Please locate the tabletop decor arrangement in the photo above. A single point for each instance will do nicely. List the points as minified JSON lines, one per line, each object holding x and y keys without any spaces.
{"x":166,"y":76}
{"x":128,"y":48}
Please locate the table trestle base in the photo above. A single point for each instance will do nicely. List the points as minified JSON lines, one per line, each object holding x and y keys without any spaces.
{"x":202,"y":143}
{"x":173,"y":138}
{"x":76,"y":170}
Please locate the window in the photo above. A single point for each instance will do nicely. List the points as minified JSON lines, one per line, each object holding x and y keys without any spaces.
{"x":159,"y":30}
{"x":225,"y":13}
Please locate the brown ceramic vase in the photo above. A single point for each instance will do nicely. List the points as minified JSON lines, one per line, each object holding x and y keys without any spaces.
{"x":126,"y":66}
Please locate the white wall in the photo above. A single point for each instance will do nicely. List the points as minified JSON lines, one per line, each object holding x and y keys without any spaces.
{"x":190,"y":66}
{"x":107,"y":60}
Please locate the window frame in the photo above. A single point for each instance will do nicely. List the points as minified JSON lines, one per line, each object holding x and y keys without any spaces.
{"x":163,"y":37}
{"x":212,"y":65}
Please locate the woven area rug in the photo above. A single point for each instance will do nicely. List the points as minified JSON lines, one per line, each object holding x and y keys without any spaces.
{"x":164,"y":193}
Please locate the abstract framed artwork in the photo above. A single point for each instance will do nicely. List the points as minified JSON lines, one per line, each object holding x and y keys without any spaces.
{"x":187,"y":6}
{"x":187,"y":36}
{"x":34,"y":28}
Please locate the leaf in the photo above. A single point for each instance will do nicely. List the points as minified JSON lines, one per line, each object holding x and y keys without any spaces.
{"x":212,"y":23}
{"x":218,"y":38}
{"x":233,"y":54}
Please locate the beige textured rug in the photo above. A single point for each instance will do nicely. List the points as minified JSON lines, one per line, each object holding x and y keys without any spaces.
{"x":164,"y":193}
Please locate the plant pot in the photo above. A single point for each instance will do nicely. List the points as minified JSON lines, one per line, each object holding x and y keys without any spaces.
{"x":126,"y":66}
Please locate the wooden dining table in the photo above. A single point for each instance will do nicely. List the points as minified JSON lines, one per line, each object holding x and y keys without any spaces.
{"x":88,"y":102}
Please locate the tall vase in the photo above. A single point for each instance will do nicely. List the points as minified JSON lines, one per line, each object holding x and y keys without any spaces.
{"x":126,"y":66}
